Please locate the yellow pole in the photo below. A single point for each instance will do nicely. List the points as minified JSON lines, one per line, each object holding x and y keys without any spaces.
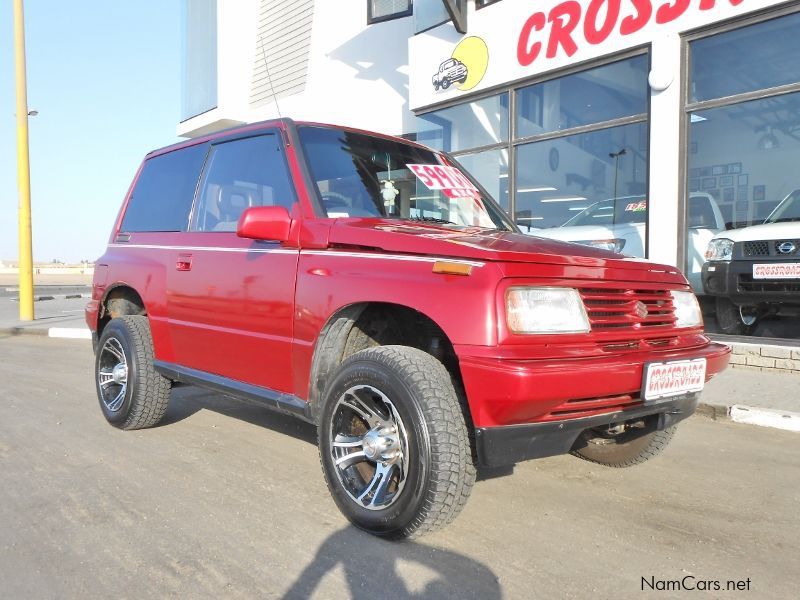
{"x":23,"y":172}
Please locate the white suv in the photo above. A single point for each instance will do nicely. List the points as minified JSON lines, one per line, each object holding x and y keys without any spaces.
{"x":755,"y":271}
{"x":619,"y":225}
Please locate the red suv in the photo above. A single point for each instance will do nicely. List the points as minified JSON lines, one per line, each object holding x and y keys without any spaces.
{"x":370,"y":286}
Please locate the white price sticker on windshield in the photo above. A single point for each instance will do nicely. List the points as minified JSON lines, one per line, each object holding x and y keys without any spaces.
{"x":449,"y":180}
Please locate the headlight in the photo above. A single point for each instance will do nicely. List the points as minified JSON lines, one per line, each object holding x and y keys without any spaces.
{"x":613,"y":244}
{"x":687,"y":309}
{"x":545,"y":310}
{"x":721,"y":249}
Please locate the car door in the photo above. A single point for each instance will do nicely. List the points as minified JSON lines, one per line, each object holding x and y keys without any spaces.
{"x":230,"y":300}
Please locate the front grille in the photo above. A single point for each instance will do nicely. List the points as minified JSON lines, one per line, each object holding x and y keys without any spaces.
{"x":748,"y":284}
{"x":619,"y":309}
{"x":768,"y":248}
{"x":756,"y":248}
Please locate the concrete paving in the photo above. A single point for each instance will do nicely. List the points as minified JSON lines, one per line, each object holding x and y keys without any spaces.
{"x":226,"y":500}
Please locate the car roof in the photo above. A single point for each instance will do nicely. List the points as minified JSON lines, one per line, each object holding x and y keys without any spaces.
{"x":257,"y":126}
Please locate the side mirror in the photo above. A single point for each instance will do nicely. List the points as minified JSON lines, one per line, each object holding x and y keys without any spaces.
{"x":270,"y":223}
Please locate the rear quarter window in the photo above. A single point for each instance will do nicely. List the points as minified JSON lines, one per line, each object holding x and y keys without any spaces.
{"x":163,"y":194}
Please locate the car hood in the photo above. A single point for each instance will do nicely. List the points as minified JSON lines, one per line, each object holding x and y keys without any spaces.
{"x":392,"y":235}
{"x":588,"y":232}
{"x":767,"y":231}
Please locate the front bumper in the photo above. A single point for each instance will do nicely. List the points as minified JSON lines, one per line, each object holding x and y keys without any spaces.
{"x":734,"y":280}
{"x":504,"y":392}
{"x":500,"y":446}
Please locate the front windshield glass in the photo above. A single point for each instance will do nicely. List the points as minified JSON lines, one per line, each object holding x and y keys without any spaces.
{"x":359,"y":175}
{"x":787,"y":210}
{"x":628,"y":209}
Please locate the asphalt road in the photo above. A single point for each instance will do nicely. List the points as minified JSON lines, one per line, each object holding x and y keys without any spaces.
{"x":226,"y":500}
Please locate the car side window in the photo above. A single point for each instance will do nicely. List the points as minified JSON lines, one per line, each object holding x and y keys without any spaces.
{"x":239,"y":174}
{"x":162,"y":196}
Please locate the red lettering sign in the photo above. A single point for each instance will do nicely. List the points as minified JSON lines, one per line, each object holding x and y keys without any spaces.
{"x":568,"y":25}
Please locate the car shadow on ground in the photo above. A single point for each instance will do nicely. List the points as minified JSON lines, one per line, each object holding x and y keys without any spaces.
{"x":186,"y":400}
{"x":376,"y":568}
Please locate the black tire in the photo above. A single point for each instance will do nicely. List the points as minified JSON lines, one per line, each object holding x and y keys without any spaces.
{"x":632,"y":447}
{"x":437,"y":470}
{"x":733,"y":319}
{"x":445,"y":83}
{"x":436,"y":86}
{"x":142,"y":401}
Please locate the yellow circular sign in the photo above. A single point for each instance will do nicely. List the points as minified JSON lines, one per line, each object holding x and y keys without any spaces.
{"x":474,"y":53}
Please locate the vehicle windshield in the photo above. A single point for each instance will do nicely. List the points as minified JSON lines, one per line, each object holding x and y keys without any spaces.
{"x":360,"y":175}
{"x":628,"y":209}
{"x":788,"y":210}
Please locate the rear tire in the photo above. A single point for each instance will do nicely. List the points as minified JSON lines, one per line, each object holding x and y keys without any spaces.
{"x":632,"y":447}
{"x":394,"y":443}
{"x":735,"y":320}
{"x":132,"y":394}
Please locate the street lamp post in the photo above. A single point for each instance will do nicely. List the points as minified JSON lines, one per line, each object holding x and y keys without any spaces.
{"x":615,"y":156}
{"x":23,"y":171}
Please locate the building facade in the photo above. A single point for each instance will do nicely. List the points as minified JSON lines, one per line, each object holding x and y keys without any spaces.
{"x":646,"y":126}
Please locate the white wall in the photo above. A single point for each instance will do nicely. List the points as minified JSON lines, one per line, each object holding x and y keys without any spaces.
{"x":357,"y":76}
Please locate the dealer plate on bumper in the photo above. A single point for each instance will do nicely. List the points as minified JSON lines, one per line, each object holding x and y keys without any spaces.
{"x":673,"y":378}
{"x":777,"y":271}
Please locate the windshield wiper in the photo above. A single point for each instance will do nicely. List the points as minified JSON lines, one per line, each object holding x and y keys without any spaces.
{"x":431,"y":220}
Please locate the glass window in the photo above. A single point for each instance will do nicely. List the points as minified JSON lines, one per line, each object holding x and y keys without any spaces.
{"x":743,"y":255}
{"x":588,"y":188}
{"x":756,"y":57}
{"x":162,"y":197}
{"x":608,"y":92}
{"x":490,"y":168}
{"x":240,"y":174}
{"x":383,"y":10}
{"x":199,"y":64}
{"x":429,"y":14}
{"x":469,"y":125}
{"x":359,"y":175}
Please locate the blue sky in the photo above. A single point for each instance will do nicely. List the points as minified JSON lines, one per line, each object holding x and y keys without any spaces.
{"x":105,"y":78}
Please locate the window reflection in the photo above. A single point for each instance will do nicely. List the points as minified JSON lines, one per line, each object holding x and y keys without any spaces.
{"x":490,"y":168}
{"x":609,"y":92}
{"x":587,"y":188}
{"x":469,"y":125}
{"x":757,"y":57}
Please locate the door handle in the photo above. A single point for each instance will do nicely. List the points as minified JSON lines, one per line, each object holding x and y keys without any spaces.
{"x":184,"y":262}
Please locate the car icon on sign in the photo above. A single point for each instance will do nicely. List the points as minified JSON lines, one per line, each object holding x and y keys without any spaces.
{"x":450,"y":71}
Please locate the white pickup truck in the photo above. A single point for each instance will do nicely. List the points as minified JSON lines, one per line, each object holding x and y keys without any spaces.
{"x":755,"y":271}
{"x":619,"y":225}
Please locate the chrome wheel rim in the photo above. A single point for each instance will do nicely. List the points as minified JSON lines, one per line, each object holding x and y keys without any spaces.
{"x":748,"y":315}
{"x":112,"y":375}
{"x":369,"y":447}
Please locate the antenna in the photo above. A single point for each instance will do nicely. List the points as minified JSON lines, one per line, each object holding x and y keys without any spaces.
{"x":269,"y":78}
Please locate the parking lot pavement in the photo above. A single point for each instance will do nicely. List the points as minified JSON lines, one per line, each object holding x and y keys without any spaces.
{"x":60,"y":312}
{"x":227,"y":500}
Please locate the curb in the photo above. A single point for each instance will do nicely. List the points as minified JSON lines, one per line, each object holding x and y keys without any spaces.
{"x":751,"y":415}
{"x":56,"y":297}
{"x":75,"y":333}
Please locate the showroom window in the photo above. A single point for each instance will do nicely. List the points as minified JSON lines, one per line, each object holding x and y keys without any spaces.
{"x":743,"y":142}
{"x":569,"y":161}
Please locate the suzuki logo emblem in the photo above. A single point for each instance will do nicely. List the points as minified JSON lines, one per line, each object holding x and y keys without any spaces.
{"x":787,"y":247}
{"x":640,"y":309}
